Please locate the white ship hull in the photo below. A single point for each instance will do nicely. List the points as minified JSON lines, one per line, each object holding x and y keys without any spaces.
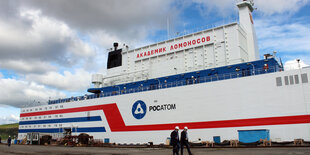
{"x":218,"y":108}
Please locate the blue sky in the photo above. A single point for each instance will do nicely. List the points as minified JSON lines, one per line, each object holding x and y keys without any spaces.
{"x":49,"y":49}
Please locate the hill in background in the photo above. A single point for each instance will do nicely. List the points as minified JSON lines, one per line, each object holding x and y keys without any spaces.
{"x":7,"y":130}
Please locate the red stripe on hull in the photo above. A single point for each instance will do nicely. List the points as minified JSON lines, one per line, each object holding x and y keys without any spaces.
{"x":117,"y":123}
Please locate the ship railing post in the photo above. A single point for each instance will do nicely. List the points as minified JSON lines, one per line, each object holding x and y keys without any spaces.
{"x":158,"y":83}
{"x":253,"y":70}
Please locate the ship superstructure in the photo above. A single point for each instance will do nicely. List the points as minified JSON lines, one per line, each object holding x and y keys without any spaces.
{"x":211,"y":81}
{"x":220,"y":46}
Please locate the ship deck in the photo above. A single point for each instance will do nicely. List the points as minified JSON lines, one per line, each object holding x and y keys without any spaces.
{"x":201,"y":76}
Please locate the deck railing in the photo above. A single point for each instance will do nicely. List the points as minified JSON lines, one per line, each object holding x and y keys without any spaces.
{"x":226,"y":76}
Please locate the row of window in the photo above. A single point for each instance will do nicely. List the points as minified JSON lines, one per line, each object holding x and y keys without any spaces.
{"x":292,"y":79}
{"x":42,"y":108}
{"x":39,"y":126}
{"x":40,"y":117}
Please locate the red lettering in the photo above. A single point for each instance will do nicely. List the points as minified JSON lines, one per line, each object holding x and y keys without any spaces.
{"x":156,"y":51}
{"x":203,"y":39}
{"x":208,"y":38}
{"x":194,"y":42}
{"x":148,"y":53}
{"x":141,"y":54}
{"x":171,"y":48}
{"x":180,"y":45}
{"x":175,"y":46}
{"x":138,"y":55}
{"x":198,"y":41}
{"x":152,"y":52}
{"x":164,"y":49}
{"x":185,"y":44}
{"x":145,"y":54}
{"x":160,"y":50}
{"x":189,"y":43}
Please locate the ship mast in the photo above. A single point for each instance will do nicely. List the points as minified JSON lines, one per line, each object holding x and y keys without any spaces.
{"x":246,"y":7}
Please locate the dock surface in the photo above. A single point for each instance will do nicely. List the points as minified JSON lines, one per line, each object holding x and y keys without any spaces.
{"x":60,"y":150}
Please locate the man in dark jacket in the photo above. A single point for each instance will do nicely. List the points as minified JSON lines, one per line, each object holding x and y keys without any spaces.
{"x":175,"y":140}
{"x":184,"y":141}
{"x":9,"y":141}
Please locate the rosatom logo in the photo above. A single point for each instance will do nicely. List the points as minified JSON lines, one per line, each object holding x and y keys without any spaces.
{"x":139,"y":109}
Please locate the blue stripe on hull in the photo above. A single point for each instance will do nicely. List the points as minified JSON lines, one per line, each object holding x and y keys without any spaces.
{"x":60,"y":130}
{"x":63,"y":120}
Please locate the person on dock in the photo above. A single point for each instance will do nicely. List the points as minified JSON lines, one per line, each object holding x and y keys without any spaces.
{"x":9,"y":141}
{"x":175,"y":142}
{"x":184,"y":141}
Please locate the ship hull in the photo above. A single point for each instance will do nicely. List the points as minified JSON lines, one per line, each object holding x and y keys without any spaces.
{"x":218,"y":108}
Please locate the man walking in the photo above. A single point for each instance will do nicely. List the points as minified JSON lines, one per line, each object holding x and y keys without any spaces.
{"x":175,"y":140}
{"x":184,"y":141}
{"x":9,"y":141}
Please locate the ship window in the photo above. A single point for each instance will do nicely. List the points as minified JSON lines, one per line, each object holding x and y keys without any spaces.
{"x":279,"y":81}
{"x":115,"y":59}
{"x":50,"y":107}
{"x":291,"y":79}
{"x":44,"y":125}
{"x":296,"y":79}
{"x":49,"y":116}
{"x":40,"y":108}
{"x":61,"y":106}
{"x":286,"y":80}
{"x":304,"y":78}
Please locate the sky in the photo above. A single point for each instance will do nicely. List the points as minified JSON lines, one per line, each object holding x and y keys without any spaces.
{"x":50,"y":48}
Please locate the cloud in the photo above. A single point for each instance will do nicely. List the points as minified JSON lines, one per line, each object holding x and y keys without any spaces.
{"x":125,"y":18}
{"x":40,"y":37}
{"x":222,"y":7}
{"x":277,"y":34}
{"x":9,"y":119}
{"x":22,"y":66}
{"x":293,"y":64}
{"x":269,"y":7}
{"x":78,"y":81}
{"x":19,"y":93}
{"x":42,"y":40}
{"x":266,"y":7}
{"x":1,"y":75}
